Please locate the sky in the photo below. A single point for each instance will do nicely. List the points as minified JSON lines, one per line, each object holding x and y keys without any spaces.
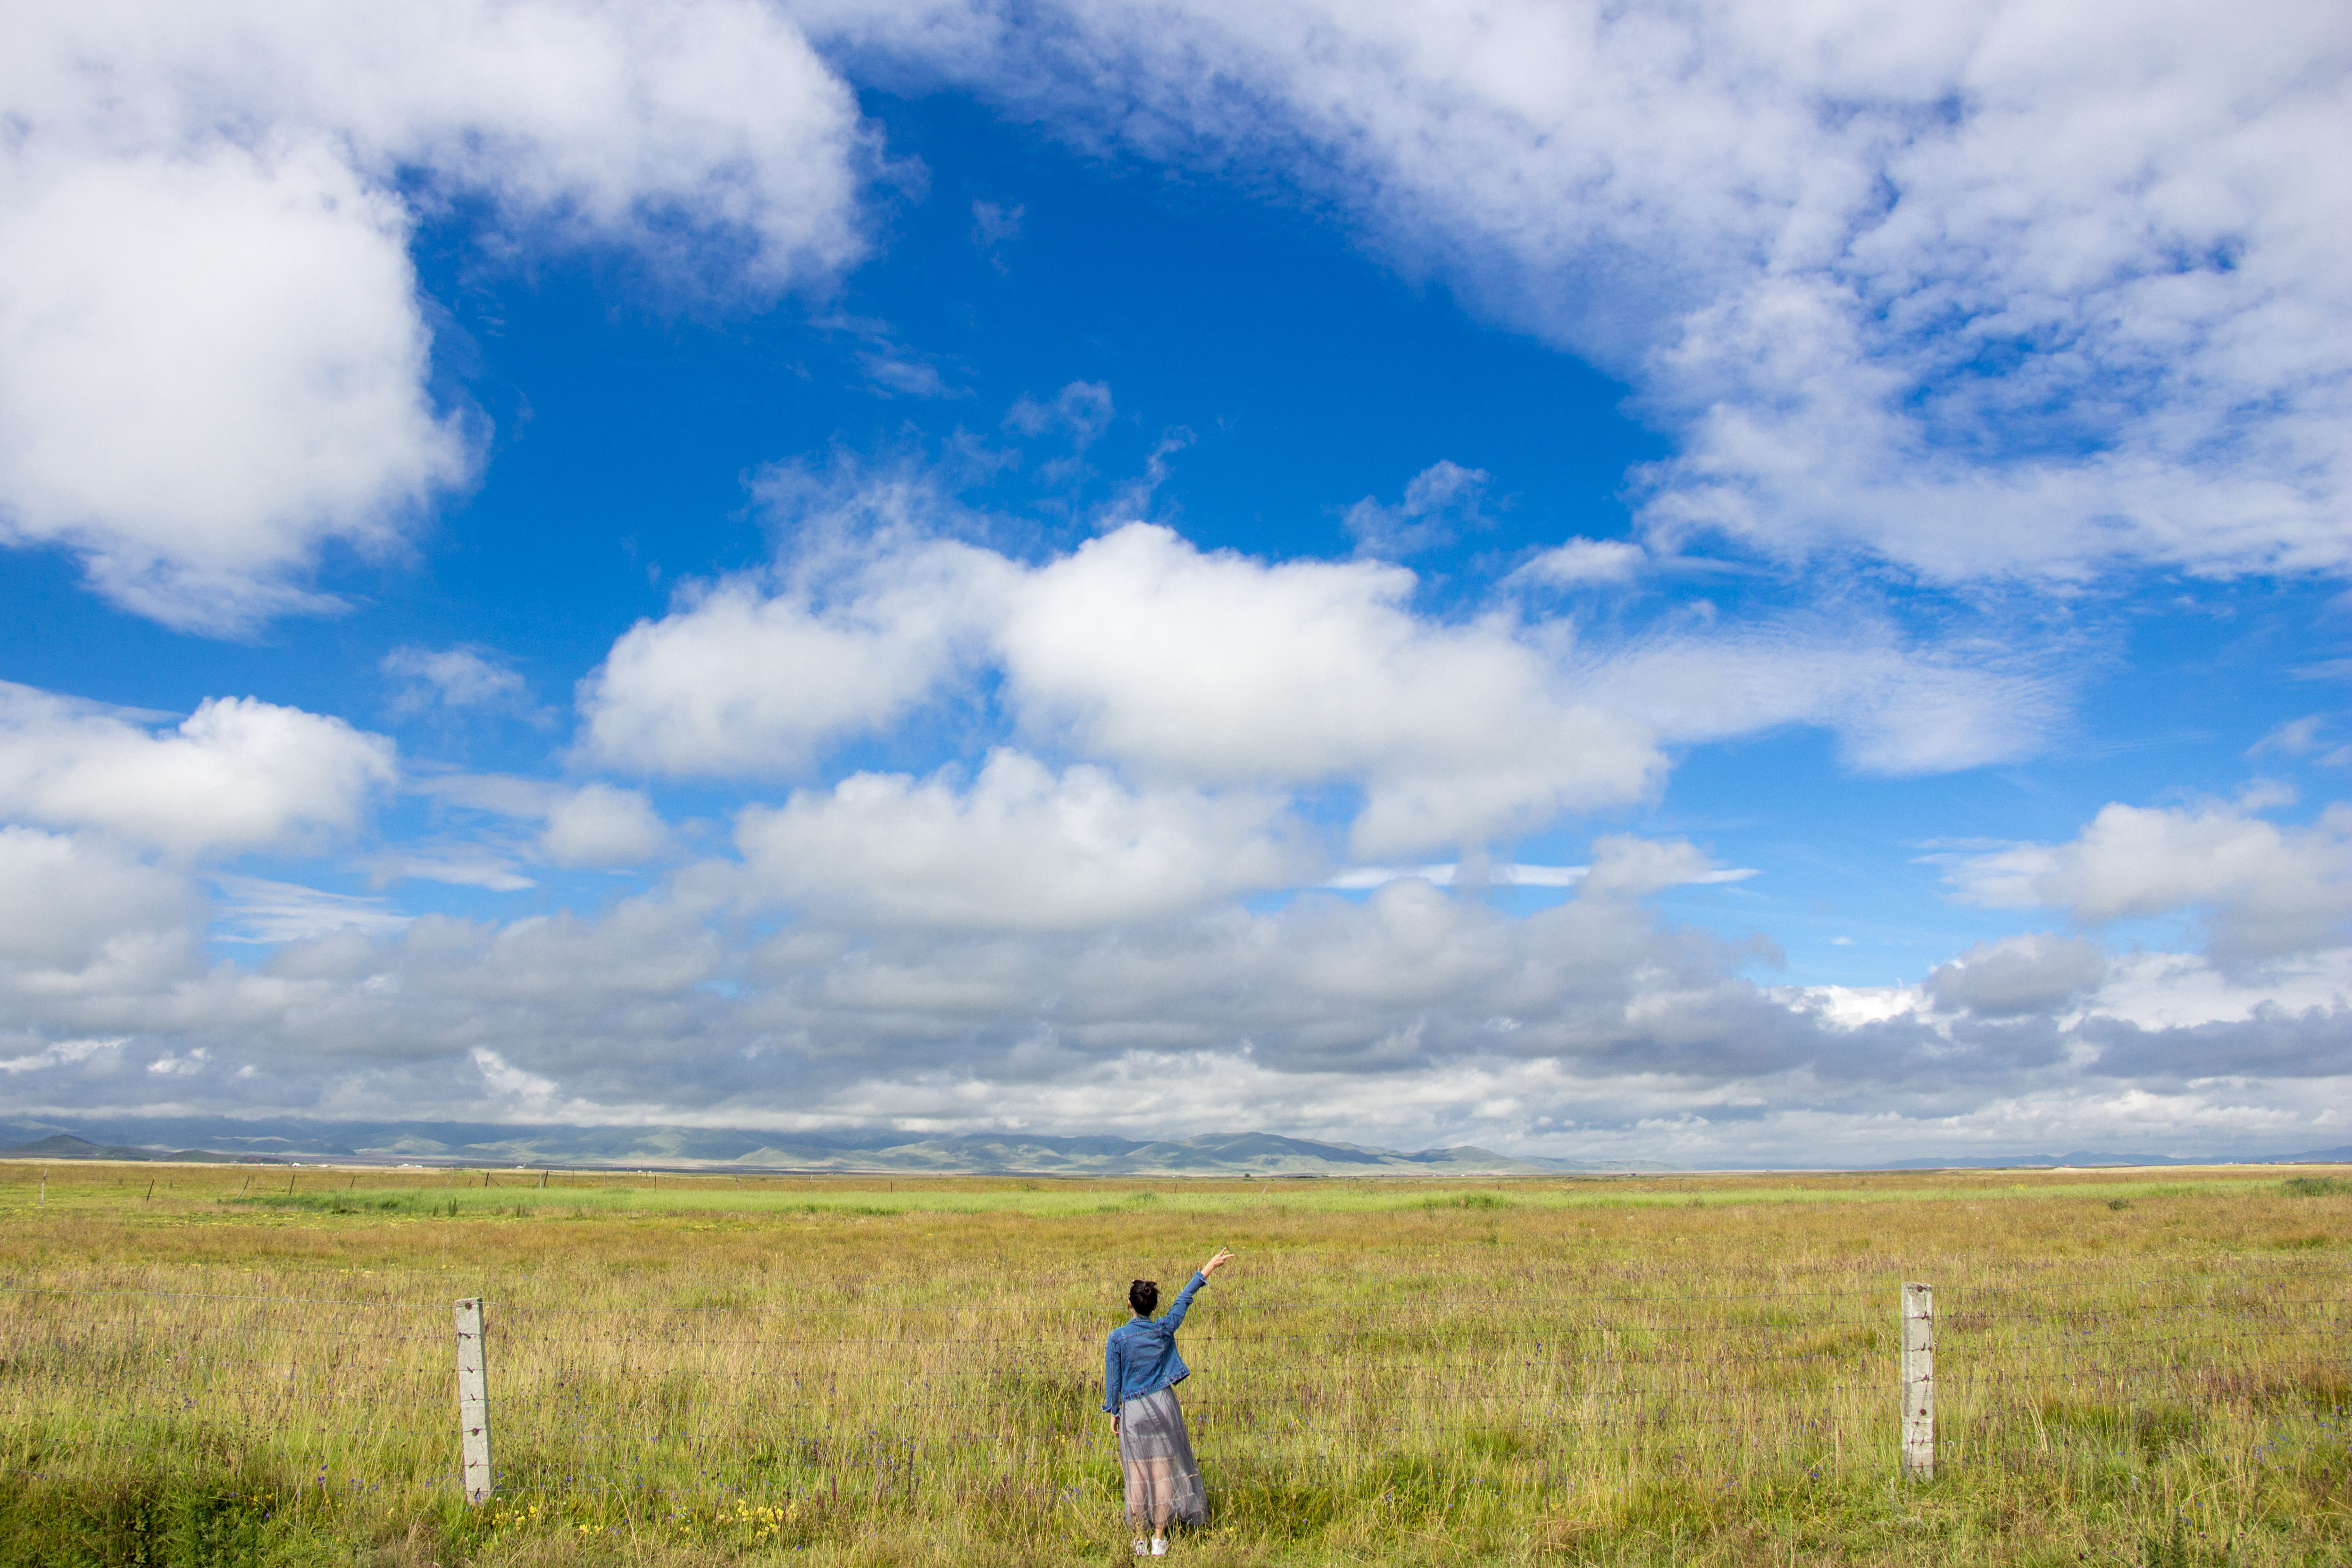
{"x":1724,"y":583}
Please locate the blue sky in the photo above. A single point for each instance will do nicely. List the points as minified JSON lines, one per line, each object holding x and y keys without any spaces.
{"x":1593,"y":583}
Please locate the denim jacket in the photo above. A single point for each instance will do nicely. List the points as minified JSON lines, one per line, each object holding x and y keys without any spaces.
{"x":1140,"y":1357}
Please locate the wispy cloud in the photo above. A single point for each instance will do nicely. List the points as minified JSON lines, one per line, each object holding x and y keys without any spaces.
{"x":467,"y":678}
{"x":458,"y":863}
{"x":60,"y":1053}
{"x":255,"y":910}
{"x":1439,"y":503}
{"x":1359,"y":879}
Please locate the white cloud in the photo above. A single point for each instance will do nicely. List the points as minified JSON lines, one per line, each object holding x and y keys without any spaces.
{"x":496,"y":794}
{"x":508,"y":1083}
{"x":1021,"y":849}
{"x":1408,"y":976}
{"x":458,"y":677}
{"x":596,"y":825}
{"x":1220,"y":671}
{"x":1081,"y":411}
{"x":1579,"y":562}
{"x":59,"y":1053}
{"x":255,"y":909}
{"x":1670,"y":863}
{"x":740,"y":682}
{"x":79,"y":917}
{"x":2264,"y":890}
{"x":2019,"y":974}
{"x":601,"y":825}
{"x":237,"y":773}
{"x":2159,"y":992}
{"x":208,"y":363}
{"x":456,"y":864}
{"x":212,"y":358}
{"x":1359,"y":878}
{"x":1625,"y":867}
{"x":2294,"y":738}
{"x":1895,"y":708}
{"x":1439,"y":502}
{"x":2304,"y":737}
{"x":631,"y":987}
{"x":890,"y":371}
{"x":1411,"y":1017}
{"x":995,"y":225}
{"x":1987,"y":288}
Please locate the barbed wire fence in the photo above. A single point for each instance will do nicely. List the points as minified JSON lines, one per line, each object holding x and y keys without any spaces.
{"x":875,"y":1403}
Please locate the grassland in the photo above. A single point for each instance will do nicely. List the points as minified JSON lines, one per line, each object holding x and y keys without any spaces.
{"x":2145,"y":1369}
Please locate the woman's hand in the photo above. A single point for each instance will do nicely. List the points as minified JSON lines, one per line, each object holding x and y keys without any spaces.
{"x":1211,"y":1266}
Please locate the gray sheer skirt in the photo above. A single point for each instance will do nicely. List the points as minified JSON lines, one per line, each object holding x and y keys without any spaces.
{"x":1156,"y":1452}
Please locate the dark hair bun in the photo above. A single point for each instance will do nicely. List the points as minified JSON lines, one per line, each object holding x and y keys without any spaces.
{"x":1143,"y":1295}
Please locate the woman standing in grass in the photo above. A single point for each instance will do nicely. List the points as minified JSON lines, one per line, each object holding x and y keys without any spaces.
{"x":1140,"y":1372}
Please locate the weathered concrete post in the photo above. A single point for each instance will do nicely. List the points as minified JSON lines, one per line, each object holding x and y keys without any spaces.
{"x":473,"y":1402}
{"x":1919,"y":1383}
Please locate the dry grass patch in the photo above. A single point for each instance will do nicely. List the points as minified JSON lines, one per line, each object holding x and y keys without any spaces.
{"x":1671,"y":1370}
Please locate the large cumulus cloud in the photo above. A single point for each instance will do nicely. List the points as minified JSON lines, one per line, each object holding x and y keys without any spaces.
{"x":2263,"y":889}
{"x":237,"y":773}
{"x":213,"y":359}
{"x":1214,"y":671}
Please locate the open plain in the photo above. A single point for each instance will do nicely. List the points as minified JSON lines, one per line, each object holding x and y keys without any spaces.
{"x":204,"y":1364}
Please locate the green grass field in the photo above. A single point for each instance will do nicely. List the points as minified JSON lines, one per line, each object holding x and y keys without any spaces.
{"x":2141,"y":1368}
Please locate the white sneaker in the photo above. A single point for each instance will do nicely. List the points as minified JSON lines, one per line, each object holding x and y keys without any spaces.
{"x":1160,"y":1546}
{"x":1141,"y":1550}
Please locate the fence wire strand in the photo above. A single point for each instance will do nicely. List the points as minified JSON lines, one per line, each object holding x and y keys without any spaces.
{"x":788,"y":1399}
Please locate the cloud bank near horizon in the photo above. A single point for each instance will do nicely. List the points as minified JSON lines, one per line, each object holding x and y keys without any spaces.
{"x":1050,"y":949}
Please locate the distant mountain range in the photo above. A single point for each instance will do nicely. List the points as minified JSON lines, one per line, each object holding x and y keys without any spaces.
{"x":720,"y":1148}
{"x":2011,"y":1162}
{"x":693,"y":1148}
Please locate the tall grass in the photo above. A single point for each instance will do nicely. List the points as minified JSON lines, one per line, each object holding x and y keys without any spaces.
{"x":699,"y":1370}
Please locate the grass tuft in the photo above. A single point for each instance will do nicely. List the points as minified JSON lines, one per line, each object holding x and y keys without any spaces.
{"x":1482,"y":1201}
{"x":2317,"y":1187}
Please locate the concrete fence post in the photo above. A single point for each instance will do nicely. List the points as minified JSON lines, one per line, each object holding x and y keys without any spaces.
{"x":473,"y":1402}
{"x":1919,"y":1383}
